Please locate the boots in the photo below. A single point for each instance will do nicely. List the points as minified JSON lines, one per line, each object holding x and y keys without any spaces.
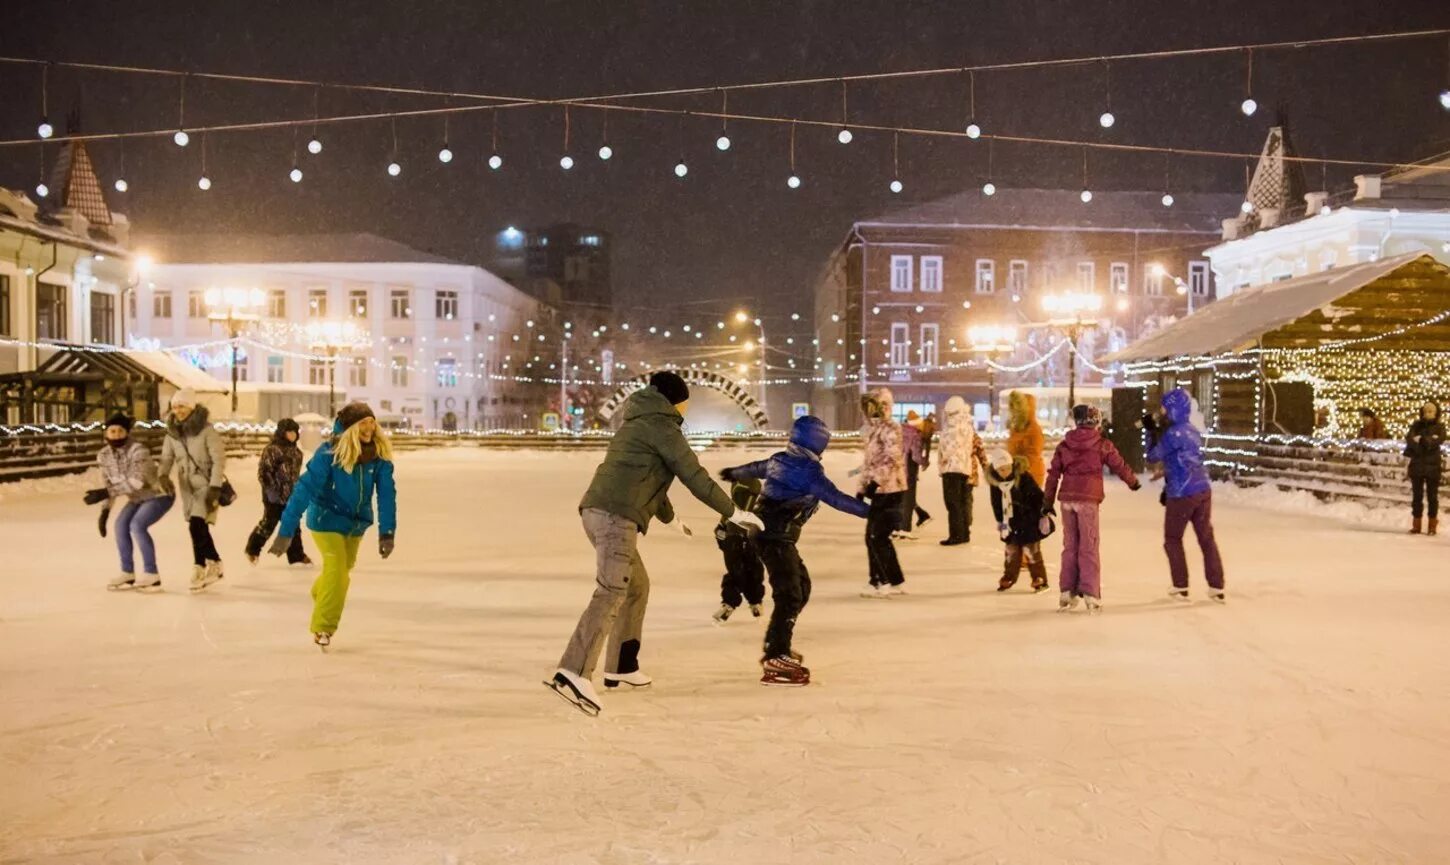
{"x":1434,"y":524}
{"x":1415,"y":527}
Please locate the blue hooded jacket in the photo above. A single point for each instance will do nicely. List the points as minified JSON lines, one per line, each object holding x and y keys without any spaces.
{"x":1180,"y":449}
{"x":795,"y":483}
{"x":340,"y":501}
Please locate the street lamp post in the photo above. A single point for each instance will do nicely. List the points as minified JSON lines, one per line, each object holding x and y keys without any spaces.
{"x":332,"y":338}
{"x":1182,"y":287}
{"x":234,"y":307}
{"x":992,"y":341}
{"x":742,"y":317}
{"x":1072,"y":312}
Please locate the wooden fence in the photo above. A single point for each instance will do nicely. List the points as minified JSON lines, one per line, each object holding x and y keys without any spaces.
{"x":1372,"y":472}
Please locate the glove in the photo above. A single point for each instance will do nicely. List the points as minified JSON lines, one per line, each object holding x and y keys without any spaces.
{"x":860,"y":497}
{"x":213,"y":497}
{"x":1135,"y":486}
{"x":1002,"y":527}
{"x":385,"y":545}
{"x":682,"y":527}
{"x":279,"y":545}
{"x":725,"y":474}
{"x":748,"y":521}
{"x":96,"y":496}
{"x":105,"y":518}
{"x":168,"y":488}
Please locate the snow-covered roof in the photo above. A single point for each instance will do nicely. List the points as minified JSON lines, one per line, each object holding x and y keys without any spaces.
{"x":1236,"y":322}
{"x":361,"y":248}
{"x":178,"y":372}
{"x":1062,"y":209}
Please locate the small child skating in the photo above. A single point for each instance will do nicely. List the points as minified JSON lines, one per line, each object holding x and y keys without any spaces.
{"x":1076,"y":477}
{"x":744,"y":578}
{"x":1018,"y":503}
{"x":277,"y":472}
{"x":795,"y":486}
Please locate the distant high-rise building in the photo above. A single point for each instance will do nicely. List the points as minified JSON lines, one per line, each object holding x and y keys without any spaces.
{"x":564,"y":264}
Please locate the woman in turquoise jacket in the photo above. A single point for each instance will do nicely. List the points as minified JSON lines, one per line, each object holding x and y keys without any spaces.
{"x":336,"y":492}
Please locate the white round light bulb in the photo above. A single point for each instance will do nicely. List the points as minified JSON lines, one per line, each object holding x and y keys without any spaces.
{"x":1106,"y":120}
{"x":45,"y":130}
{"x":295,"y":174}
{"x":495,"y":162}
{"x":1445,"y":99}
{"x":722,"y":143}
{"x":394,"y":169}
{"x":566,"y":162}
{"x":844,"y":136}
{"x":1086,"y":195}
{"x":1167,"y":199}
{"x":973,"y":130}
{"x":1248,"y":107}
{"x":794,"y":182}
{"x":989,"y":188}
{"x":42,"y":190}
{"x":181,"y":138}
{"x":445,"y":155}
{"x":681,"y":169}
{"x":896,"y":186}
{"x":314,"y":146}
{"x":121,"y":184}
{"x":1247,"y":207}
{"x":203,"y":183}
{"x":605,"y":152}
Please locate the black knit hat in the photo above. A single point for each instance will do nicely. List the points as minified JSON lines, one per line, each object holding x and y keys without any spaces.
{"x":671,"y":386}
{"x":121,"y":420}
{"x":352,"y":413}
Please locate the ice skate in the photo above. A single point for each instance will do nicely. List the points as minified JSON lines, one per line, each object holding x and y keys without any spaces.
{"x":575,"y":690}
{"x":302,"y":561}
{"x":203,"y":576}
{"x":1066,"y":602}
{"x":897,"y":589}
{"x":875,"y":591}
{"x":123,"y":582}
{"x":723,"y":614}
{"x":756,"y":610}
{"x":1039,"y":588}
{"x":1004,"y":584}
{"x":148,"y":583}
{"x":921,"y":524}
{"x":784,"y":671}
{"x":1217,"y":596}
{"x":1093,"y":604}
{"x":1179,"y":595}
{"x":952,"y":542}
{"x":198,"y":577}
{"x":253,"y":559}
{"x":629,"y":680}
{"x":322,"y":640}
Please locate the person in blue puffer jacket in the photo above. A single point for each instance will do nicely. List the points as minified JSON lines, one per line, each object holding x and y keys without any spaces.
{"x":336,"y":492}
{"x":795,"y":487}
{"x":1188,"y":496}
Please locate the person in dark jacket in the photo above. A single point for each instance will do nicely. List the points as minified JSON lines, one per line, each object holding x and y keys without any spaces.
{"x":278,"y":470}
{"x":1018,"y":505}
{"x":1188,"y":496}
{"x":630,"y":488}
{"x":1371,"y":427}
{"x":1422,"y":446}
{"x":795,"y":487}
{"x":744,"y":578}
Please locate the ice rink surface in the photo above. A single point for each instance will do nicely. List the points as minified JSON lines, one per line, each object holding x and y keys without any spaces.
{"x":1307,"y":721}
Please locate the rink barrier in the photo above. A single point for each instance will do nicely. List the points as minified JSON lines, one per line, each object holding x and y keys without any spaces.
{"x":1369,"y":472}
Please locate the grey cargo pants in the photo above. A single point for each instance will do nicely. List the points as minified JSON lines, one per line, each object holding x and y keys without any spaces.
{"x":620,"y":594}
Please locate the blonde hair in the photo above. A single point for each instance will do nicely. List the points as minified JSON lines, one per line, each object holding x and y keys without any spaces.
{"x":348,"y":447}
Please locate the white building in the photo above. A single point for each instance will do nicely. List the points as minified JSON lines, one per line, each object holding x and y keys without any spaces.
{"x":446,"y":339}
{"x":1288,"y":231}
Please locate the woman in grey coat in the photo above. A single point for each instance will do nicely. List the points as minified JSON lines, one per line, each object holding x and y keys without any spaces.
{"x":195,"y":448}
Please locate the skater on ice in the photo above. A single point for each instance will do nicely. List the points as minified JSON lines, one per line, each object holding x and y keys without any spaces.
{"x":630,"y":488}
{"x":959,"y":457}
{"x":1422,"y":446}
{"x":1076,"y":477}
{"x":195,"y":449}
{"x":913,"y":439}
{"x":1024,"y":436}
{"x":277,"y":472}
{"x":795,"y":486}
{"x":1187,"y":496}
{"x":1020,"y":510}
{"x":129,"y":473}
{"x":882,"y":479}
{"x":744,"y":578}
{"x":336,"y":492}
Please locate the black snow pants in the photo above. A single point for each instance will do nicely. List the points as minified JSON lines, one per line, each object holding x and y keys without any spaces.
{"x":883,"y":519}
{"x":790,"y":589}
{"x":271,"y":515}
{"x":1422,"y":488}
{"x":203,"y":548}
{"x":958,"y":495}
{"x":744,"y":573}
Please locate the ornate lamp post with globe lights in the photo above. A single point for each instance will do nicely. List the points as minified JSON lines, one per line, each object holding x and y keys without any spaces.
{"x":234,"y":307}
{"x":1072,"y":311}
{"x":992,"y":341}
{"x":1179,"y":285}
{"x":333,"y":338}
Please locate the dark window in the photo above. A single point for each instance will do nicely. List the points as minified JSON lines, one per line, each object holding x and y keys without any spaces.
{"x":50,"y":311}
{"x":103,"y":317}
{"x":5,"y":305}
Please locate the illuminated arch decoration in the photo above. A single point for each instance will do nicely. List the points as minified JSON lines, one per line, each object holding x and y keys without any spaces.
{"x":737,"y":393}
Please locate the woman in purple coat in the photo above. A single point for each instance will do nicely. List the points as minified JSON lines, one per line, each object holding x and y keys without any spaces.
{"x":1188,"y":496}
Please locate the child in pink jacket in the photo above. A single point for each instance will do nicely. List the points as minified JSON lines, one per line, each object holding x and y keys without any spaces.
{"x":1076,"y":477}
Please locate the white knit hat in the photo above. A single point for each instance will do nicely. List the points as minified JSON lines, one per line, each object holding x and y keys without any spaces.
{"x":184,"y":397}
{"x":1000,"y":460}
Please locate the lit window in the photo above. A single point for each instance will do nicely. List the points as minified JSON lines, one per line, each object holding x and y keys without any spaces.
{"x":276,"y":369}
{"x":901,"y":273}
{"x":400,"y":371}
{"x":1086,"y":274}
{"x":317,"y":303}
{"x":900,"y":344}
{"x":929,"y":350}
{"x":277,"y":303}
{"x":445,"y":305}
{"x":161,"y":305}
{"x":357,"y":303}
{"x":931,"y":276}
{"x":1152,"y":280}
{"x":1198,"y":281}
{"x":447,"y":372}
{"x":401,"y":308}
{"x":986,"y":276}
{"x":1017,"y":277}
{"x":195,"y":305}
{"x":1118,"y":277}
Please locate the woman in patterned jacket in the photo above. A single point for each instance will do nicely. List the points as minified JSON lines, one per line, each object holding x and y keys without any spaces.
{"x":883,"y":481}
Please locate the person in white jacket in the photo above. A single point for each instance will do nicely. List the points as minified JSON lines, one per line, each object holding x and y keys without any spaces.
{"x":959,"y":456}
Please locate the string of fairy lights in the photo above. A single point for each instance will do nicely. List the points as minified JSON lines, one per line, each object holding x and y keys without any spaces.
{"x":846,"y":126}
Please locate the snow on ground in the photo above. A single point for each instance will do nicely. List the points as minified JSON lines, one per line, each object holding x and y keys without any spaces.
{"x":1306,"y":721}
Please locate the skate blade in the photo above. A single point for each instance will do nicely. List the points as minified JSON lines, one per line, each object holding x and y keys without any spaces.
{"x":1039,"y":590}
{"x":126,"y":588}
{"x":153,"y":589}
{"x":627,"y":686}
{"x":785,"y":683}
{"x":569,"y":697}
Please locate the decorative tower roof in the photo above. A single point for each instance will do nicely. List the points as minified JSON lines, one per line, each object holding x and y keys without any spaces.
{"x":1276,"y":188}
{"x":74,"y":184}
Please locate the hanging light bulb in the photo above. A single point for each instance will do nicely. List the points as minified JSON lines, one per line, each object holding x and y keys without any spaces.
{"x":681,"y":169}
{"x":394,"y":169}
{"x":566,"y":162}
{"x":605,"y":152}
{"x":121,"y":184}
{"x":1106,"y":120}
{"x":445,"y":155}
{"x":989,"y":188}
{"x":973,"y":130}
{"x":896,"y":186}
{"x":41,"y":189}
{"x":1167,"y":199}
{"x":1086,"y":195}
{"x":495,"y":162}
{"x":314,"y":145}
{"x":203,"y":183}
{"x":722,"y":143}
{"x":794,"y":181}
{"x":844,"y":136}
{"x":1445,"y":99}
{"x":295,"y":174}
{"x":181,"y":138}
{"x":1247,"y":207}
{"x":1248,"y":107}
{"x":45,"y":130}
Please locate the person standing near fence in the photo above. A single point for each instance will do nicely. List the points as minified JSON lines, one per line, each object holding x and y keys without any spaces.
{"x":277,"y":471}
{"x":195,"y":449}
{"x":1422,"y":446}
{"x":129,"y":473}
{"x":1187,"y":496}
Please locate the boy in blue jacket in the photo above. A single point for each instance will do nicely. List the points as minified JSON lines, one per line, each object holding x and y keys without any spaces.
{"x":795,"y":486}
{"x":1188,"y":496}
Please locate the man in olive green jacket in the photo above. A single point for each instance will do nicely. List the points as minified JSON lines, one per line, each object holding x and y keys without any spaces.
{"x":630,"y":488}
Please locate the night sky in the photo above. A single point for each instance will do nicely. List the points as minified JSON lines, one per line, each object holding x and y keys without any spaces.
{"x":731,"y":230}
